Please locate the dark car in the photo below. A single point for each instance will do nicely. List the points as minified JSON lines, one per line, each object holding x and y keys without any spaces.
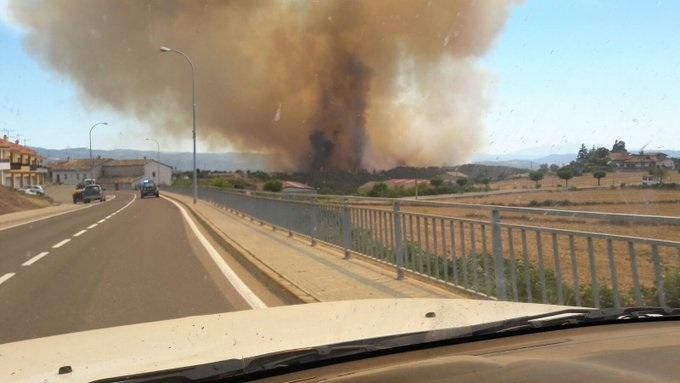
{"x":90,"y":193}
{"x":149,"y":189}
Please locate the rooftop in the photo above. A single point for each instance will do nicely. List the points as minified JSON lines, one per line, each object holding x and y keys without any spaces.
{"x":76,"y":164}
{"x":295,"y":185}
{"x":7,"y":144}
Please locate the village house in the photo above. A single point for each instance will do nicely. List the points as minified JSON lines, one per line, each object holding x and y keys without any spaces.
{"x":624,"y":160}
{"x":20,"y":166}
{"x":111,"y":174}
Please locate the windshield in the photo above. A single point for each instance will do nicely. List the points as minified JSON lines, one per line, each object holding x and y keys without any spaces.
{"x":190,"y":161}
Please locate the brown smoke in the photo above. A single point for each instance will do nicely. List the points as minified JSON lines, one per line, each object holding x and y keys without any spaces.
{"x":330,"y":84}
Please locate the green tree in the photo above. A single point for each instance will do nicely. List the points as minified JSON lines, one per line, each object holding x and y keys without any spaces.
{"x":582,"y":154}
{"x":273,"y":186}
{"x":599,"y":174}
{"x":379,"y":190}
{"x":543,"y":168}
{"x":436,"y":182}
{"x":536,"y":176}
{"x":462,"y":181}
{"x":554,"y":168}
{"x":566,"y":173}
{"x":658,"y":173}
{"x":619,"y":146}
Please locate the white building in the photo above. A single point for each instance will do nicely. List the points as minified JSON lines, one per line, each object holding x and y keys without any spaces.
{"x":111,"y":174}
{"x":126,"y":174}
{"x":73,"y":172}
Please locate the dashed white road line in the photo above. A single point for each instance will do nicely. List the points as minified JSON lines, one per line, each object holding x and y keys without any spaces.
{"x":248,"y":295}
{"x":78,"y":234}
{"x":62,"y":243}
{"x":91,"y":226}
{"x":35,"y":259}
{"x":6,"y":277}
{"x":101,"y":220}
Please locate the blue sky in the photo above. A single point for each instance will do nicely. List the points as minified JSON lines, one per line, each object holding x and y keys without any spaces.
{"x":565,"y":73}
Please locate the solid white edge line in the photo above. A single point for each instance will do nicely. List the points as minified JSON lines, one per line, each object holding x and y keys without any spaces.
{"x":231,"y":276}
{"x":78,"y":234}
{"x":6,"y":277}
{"x":35,"y":259}
{"x":62,"y":243}
{"x":93,"y":225}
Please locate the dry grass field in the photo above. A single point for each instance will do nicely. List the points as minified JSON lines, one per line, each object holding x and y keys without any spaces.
{"x":627,"y":200}
{"x":586,"y":180}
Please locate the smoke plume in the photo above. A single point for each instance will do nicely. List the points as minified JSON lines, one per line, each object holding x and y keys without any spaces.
{"x":320,"y":84}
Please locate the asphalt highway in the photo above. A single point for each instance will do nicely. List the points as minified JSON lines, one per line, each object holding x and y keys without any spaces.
{"x":123,"y":261}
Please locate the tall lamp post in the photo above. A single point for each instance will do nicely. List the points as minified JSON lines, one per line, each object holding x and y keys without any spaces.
{"x":193,"y":108}
{"x":91,"y":160}
{"x":158,"y":159}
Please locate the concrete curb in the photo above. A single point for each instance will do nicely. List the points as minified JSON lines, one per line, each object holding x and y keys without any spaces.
{"x":274,"y":281}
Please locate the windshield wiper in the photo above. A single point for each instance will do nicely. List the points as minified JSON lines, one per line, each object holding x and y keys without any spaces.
{"x":575,"y":317}
{"x":235,"y":368}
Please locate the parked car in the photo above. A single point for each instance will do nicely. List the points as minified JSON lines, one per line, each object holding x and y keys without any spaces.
{"x":149,"y":188}
{"x":89,"y":193}
{"x":27,"y":190}
{"x":38,"y":189}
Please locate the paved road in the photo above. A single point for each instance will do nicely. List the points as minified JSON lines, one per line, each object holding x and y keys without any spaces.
{"x":124,"y":261}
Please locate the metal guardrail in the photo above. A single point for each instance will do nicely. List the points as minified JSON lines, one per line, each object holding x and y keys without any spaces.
{"x":491,"y":258}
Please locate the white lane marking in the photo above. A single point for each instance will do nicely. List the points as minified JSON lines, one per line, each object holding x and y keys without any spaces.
{"x":231,"y":276}
{"x":54,"y":215}
{"x":6,"y":277}
{"x":35,"y":259}
{"x":78,"y":234}
{"x":101,"y":220}
{"x":91,"y":226}
{"x":109,"y":216}
{"x":62,"y":243}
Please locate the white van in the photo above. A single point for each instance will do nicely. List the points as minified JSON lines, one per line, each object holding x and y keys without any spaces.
{"x":649,"y":181}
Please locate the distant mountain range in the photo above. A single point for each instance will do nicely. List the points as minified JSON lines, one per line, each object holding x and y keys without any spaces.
{"x":524,"y":161}
{"x":178,"y":160}
{"x":253,"y":161}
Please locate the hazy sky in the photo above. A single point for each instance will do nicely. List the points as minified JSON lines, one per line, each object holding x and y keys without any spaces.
{"x":566,"y":73}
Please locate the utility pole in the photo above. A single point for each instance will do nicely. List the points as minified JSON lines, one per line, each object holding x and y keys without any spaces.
{"x":415,"y":170}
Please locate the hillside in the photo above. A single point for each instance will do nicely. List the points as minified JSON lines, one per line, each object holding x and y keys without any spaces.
{"x":12,"y":201}
{"x":179,"y":160}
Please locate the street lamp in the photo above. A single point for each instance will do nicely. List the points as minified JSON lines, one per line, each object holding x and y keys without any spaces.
{"x":158,"y":158}
{"x":91,"y":160}
{"x":193,"y":109}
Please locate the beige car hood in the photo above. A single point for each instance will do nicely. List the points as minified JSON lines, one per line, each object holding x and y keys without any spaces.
{"x":145,"y":347}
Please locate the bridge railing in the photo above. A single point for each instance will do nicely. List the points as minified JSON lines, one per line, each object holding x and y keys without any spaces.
{"x":487,"y":250}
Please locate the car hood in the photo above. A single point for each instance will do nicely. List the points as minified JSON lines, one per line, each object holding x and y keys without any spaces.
{"x":154,"y":346}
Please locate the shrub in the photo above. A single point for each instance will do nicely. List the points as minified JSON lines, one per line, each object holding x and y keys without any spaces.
{"x":273,"y":186}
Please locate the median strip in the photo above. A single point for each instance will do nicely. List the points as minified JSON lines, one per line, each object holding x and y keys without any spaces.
{"x":35,"y":259}
{"x":6,"y":277}
{"x":62,"y":243}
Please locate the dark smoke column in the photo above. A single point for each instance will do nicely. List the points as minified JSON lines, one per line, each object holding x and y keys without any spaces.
{"x":339,"y":134}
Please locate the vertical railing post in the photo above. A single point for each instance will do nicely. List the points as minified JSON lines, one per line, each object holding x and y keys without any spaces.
{"x":498,"y":254}
{"x":314,"y":223}
{"x":399,"y":247}
{"x":346,"y":228}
